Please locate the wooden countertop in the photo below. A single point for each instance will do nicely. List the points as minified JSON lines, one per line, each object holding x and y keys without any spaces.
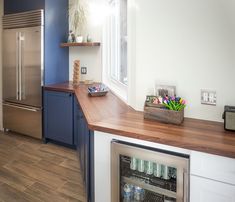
{"x":109,"y":114}
{"x":62,"y":87}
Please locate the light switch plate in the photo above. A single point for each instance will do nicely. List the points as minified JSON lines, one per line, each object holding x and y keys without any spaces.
{"x":208,"y":97}
{"x":83,"y":70}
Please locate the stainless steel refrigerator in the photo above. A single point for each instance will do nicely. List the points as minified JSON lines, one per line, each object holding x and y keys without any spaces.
{"x":23,"y":72}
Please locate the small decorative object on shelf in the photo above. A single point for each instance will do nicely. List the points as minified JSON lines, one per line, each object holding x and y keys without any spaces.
{"x":168,"y":109}
{"x":76,"y":72}
{"x":98,"y":90}
{"x":88,"y":38}
{"x":71,"y":37}
{"x":79,"y":39}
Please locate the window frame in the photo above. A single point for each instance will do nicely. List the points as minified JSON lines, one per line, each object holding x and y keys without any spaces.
{"x":115,"y":85}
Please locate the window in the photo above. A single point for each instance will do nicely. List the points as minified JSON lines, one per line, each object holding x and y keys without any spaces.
{"x":115,"y":46}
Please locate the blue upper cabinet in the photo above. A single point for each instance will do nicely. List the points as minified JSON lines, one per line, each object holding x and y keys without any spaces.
{"x":16,"y":6}
{"x":56,"y":59}
{"x":56,"y":31}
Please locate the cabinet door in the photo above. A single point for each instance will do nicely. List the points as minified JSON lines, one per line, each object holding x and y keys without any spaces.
{"x":205,"y":190}
{"x":76,"y":118}
{"x":15,"y":6}
{"x":58,"y":116}
{"x":87,"y":159}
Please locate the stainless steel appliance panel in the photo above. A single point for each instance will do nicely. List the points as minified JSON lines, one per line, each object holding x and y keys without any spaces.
{"x":23,"y":72}
{"x":23,"y":119}
{"x":30,"y":66}
{"x":23,"y":19}
{"x":10,"y":65}
{"x":23,"y":67}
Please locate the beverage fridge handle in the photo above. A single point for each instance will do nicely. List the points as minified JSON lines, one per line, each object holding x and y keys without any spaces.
{"x":20,"y":67}
{"x":186,"y":186}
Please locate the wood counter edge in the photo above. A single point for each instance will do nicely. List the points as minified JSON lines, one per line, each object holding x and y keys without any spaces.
{"x":192,"y":147}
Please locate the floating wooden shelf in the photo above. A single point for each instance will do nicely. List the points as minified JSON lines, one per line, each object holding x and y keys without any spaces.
{"x":80,"y":44}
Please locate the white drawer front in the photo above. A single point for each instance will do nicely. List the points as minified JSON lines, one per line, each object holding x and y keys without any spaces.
{"x":213,"y":167}
{"x":204,"y":190}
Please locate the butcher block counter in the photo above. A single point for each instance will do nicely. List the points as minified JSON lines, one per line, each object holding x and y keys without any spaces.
{"x":111,"y":115}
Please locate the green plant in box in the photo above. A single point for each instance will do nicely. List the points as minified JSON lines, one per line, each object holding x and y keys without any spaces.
{"x":174,"y":103}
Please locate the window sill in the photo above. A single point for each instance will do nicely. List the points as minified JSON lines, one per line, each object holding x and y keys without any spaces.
{"x":118,"y":88}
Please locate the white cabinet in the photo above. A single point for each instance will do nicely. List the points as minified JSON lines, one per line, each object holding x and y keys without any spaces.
{"x":205,"y":190}
{"x":212,"y":178}
{"x":213,"y":167}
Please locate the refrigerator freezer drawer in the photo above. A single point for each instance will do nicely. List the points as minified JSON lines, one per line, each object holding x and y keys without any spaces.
{"x":23,"y":120}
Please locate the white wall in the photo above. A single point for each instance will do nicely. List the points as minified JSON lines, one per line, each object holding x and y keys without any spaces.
{"x":1,"y":13}
{"x":90,"y":57}
{"x":187,"y":43}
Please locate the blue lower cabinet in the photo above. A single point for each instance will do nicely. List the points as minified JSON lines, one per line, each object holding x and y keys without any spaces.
{"x":85,"y":149}
{"x":75,"y":121}
{"x":65,"y":122}
{"x":58,"y":117}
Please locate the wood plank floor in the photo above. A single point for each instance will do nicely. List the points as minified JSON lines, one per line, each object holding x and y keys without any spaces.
{"x":31,"y":171}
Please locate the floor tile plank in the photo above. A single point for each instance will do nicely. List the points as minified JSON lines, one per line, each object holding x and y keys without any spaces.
{"x":33,"y":171}
{"x":9,"y":194}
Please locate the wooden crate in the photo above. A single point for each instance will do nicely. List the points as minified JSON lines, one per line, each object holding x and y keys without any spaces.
{"x":163,"y":115}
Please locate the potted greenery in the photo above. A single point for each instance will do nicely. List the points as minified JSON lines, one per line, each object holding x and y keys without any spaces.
{"x":77,"y":18}
{"x":167,"y":109}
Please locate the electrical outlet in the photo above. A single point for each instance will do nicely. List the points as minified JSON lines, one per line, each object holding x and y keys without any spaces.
{"x":83,"y":70}
{"x":208,"y":97}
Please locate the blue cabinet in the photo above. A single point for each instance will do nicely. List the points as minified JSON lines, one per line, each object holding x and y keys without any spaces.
{"x":65,"y":122}
{"x":56,"y":59}
{"x":56,"y":31}
{"x":85,"y":149}
{"x":58,"y":117}
{"x":16,"y":6}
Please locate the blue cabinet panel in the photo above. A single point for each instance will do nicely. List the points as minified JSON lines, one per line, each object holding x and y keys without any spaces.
{"x":58,"y":116}
{"x":56,"y":31}
{"x":85,"y":148}
{"x":16,"y":6}
{"x":76,"y":115}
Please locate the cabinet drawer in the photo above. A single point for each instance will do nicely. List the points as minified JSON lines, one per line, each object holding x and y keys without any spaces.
{"x":204,"y":190}
{"x":213,"y":167}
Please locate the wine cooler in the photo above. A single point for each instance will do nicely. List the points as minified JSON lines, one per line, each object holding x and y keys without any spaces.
{"x":142,"y":174}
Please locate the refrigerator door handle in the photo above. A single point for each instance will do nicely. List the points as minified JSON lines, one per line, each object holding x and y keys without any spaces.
{"x":24,"y":108}
{"x":20,"y":66}
{"x":17,"y":65}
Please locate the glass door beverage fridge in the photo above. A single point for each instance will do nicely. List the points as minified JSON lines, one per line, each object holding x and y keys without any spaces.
{"x":142,"y":174}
